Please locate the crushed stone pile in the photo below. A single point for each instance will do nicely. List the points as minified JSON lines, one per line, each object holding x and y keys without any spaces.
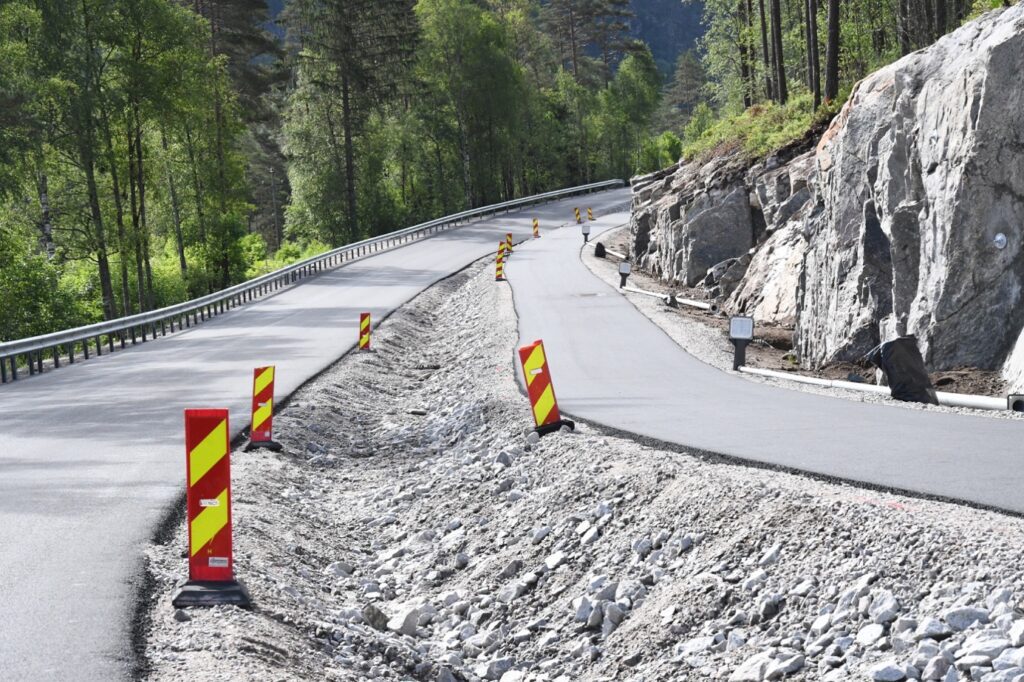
{"x":414,"y":530}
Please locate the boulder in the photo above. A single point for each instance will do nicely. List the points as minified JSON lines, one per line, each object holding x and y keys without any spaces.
{"x":916,"y":177}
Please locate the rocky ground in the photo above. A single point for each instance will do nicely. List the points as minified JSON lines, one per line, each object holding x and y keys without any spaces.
{"x":413,"y":531}
{"x":773,"y":348}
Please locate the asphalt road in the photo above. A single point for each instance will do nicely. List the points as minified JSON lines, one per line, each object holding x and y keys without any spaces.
{"x":612,"y":366}
{"x":92,"y":455}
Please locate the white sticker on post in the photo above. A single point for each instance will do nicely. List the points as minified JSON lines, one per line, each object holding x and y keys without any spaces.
{"x":209,"y":503}
{"x":218,"y":562}
{"x":536,"y":371}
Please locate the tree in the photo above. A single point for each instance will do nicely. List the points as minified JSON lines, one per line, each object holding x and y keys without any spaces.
{"x":832,"y":52}
{"x":778,"y":55}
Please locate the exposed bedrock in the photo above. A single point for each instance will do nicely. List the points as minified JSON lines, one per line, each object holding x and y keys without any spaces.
{"x":907,"y":217}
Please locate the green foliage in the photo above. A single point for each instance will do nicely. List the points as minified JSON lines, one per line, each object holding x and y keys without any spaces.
{"x":758,"y":131}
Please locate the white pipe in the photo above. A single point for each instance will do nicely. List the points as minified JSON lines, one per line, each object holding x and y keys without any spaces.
{"x":620,"y":256}
{"x":697,"y":304}
{"x":665,"y":297}
{"x":978,"y":402}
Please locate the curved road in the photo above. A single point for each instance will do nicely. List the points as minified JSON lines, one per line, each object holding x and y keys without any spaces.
{"x":92,"y":455}
{"x":613,"y":366}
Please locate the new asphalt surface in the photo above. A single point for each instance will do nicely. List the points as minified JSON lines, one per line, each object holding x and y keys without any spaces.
{"x":92,"y":455}
{"x":612,"y":366}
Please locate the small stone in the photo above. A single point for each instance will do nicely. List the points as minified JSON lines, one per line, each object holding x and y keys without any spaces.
{"x":755,"y":580}
{"x":532,"y":438}
{"x":539,"y":534}
{"x":555,"y":560}
{"x":583,"y":609}
{"x":932,"y":628}
{"x":503,"y":459}
{"x":405,"y":622}
{"x":869,"y":634}
{"x":935,"y":669}
{"x":375,"y":617}
{"x":461,"y":560}
{"x":1016,"y":633}
{"x":752,"y":669}
{"x":511,"y":569}
{"x":888,"y":671}
{"x":884,"y":607}
{"x":495,"y":669}
{"x":643,"y":547}
{"x":339,"y":569}
{"x":511,"y":592}
{"x":962,"y":617}
{"x":633,"y":659}
{"x":181,"y":616}
{"x":782,"y":667}
{"x":590,"y":537}
{"x":770,"y":556}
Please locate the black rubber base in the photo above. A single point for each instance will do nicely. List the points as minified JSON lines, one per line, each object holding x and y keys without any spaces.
{"x":555,"y":426}
{"x":264,"y":445}
{"x":197,"y":593}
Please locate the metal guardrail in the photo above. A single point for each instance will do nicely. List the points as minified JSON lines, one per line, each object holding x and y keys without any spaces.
{"x":122,"y":330}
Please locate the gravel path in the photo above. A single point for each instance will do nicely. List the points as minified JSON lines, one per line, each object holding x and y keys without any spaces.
{"x":412,"y":531}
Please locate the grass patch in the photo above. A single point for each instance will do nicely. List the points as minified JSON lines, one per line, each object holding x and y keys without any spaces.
{"x":758,"y":131}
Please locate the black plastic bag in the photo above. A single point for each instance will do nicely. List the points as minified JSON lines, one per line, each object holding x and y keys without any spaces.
{"x":902,"y":363}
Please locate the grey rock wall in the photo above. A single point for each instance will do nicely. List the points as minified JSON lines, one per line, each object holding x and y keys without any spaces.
{"x":890,"y":226}
{"x":919,"y":173}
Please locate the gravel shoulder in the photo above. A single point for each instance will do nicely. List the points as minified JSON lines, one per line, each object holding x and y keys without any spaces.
{"x":705,"y":336}
{"x":411,"y":530}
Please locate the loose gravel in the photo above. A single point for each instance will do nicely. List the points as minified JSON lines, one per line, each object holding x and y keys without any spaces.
{"x":413,"y":530}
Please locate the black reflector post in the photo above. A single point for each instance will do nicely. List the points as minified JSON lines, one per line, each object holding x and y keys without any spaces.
{"x":741,"y":333}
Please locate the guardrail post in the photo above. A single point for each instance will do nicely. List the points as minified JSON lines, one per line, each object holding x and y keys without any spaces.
{"x":85,"y":348}
{"x":14,"y":368}
{"x":144,"y":333}
{"x":56,"y":357}
{"x":71,"y":353}
{"x":3,"y":370}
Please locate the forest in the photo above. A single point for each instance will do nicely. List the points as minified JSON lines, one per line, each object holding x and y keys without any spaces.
{"x":156,"y":150}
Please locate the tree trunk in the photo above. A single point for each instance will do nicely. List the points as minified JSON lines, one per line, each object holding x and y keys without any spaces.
{"x":746,"y":62}
{"x":573,"y":47}
{"x":143,"y":223}
{"x":122,"y":237}
{"x":768,"y":70}
{"x":941,"y":25}
{"x":903,"y":25}
{"x":179,"y":240}
{"x":780,"y":61}
{"x":812,"y":50}
{"x":197,"y":184}
{"x":350,"y":164}
{"x":832,"y":52}
{"x":140,"y":281}
{"x":106,"y":286}
{"x":45,"y":220}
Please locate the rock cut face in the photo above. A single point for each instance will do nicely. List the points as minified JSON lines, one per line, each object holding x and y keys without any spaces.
{"x":917,"y":177}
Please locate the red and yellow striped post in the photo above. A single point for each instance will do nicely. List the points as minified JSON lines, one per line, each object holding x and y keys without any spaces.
{"x":208,"y":474}
{"x":578,"y":219}
{"x":536,"y":229}
{"x":590,"y":215}
{"x":261,"y":432}
{"x":499,"y":267}
{"x":508,"y":244}
{"x":541,"y":390}
{"x":364,"y":331}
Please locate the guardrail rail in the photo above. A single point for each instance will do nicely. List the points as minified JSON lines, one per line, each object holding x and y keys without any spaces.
{"x":122,"y":331}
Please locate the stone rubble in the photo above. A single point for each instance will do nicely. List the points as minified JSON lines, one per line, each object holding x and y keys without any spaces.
{"x":450,"y":546}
